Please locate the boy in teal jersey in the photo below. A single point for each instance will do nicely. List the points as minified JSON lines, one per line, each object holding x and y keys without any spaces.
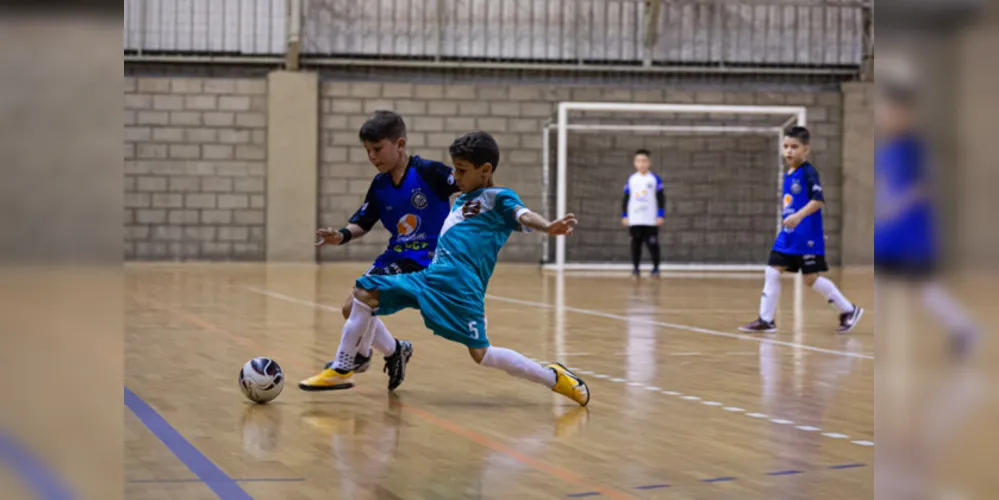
{"x":450,"y":293}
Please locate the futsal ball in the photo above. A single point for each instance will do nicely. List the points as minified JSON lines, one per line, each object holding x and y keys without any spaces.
{"x":261,"y":380}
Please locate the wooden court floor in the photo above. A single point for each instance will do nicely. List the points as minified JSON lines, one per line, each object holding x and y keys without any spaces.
{"x":683,"y":406}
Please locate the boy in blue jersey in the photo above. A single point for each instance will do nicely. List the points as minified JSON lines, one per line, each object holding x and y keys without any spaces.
{"x":450,"y":293}
{"x":801,"y":245}
{"x":411,"y":197}
{"x":905,"y":232}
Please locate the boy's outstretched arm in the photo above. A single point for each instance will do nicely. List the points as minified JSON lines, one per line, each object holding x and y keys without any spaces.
{"x":534,"y":220}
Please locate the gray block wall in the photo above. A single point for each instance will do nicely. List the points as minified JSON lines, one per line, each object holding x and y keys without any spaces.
{"x":195,"y":161}
{"x":195,"y":168}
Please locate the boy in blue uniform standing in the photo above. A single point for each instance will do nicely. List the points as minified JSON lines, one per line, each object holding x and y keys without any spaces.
{"x":450,"y":293}
{"x":411,"y":197}
{"x":800,"y":245}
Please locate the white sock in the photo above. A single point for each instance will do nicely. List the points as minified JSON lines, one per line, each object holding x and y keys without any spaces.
{"x":828,"y":290}
{"x":519,"y":366}
{"x":946,"y":309}
{"x":353,"y":332}
{"x":381,"y":338}
{"x":771,"y":294}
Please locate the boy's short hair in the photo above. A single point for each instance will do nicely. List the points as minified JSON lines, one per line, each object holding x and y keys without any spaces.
{"x":478,"y":148}
{"x":383,"y":125}
{"x":643,"y":152}
{"x":800,"y":133}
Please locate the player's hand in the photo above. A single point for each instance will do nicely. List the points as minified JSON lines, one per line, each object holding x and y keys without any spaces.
{"x":624,"y":221}
{"x":792,"y":221}
{"x":328,"y":236}
{"x":660,"y":221}
{"x":563,"y":226}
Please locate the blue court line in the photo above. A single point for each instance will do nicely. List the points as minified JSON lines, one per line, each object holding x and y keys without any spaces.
{"x":223,"y":485}
{"x":785,"y":472}
{"x":718,"y":479}
{"x":847,"y":466}
{"x":42,"y":480}
{"x":192,"y":480}
{"x":652,"y":487}
{"x":789,"y":472}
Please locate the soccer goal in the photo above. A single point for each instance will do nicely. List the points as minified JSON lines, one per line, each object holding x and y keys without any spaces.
{"x":721,"y":166}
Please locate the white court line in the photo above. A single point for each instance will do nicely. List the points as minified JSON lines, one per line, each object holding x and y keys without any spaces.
{"x":833,"y":435}
{"x":688,"y":328}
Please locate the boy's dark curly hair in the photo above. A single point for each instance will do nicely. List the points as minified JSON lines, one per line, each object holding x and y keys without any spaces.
{"x":478,"y":148}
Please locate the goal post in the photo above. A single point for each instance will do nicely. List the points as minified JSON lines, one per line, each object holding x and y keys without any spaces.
{"x":664,"y":120}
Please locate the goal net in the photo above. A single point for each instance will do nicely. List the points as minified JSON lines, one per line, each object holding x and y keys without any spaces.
{"x":721,"y":167}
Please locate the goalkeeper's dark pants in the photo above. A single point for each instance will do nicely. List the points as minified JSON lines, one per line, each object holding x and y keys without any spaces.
{"x":649,"y":235}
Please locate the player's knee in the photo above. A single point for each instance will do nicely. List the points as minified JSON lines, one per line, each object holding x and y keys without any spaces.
{"x":810,"y":279}
{"x":347,"y":308}
{"x":369,"y":297}
{"x":478,"y":354}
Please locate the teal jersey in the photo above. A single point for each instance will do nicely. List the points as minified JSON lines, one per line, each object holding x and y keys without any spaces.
{"x":451,"y":292}
{"x":473,"y":234}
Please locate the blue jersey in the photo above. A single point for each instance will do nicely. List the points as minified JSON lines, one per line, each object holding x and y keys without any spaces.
{"x":807,"y":238}
{"x":473,"y":235}
{"x":413,"y":211}
{"x":904,"y":234}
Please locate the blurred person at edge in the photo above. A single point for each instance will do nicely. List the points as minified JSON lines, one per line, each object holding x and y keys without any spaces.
{"x":906,"y":249}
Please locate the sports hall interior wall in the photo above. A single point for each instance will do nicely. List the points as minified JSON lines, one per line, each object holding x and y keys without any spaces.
{"x":196,"y":155}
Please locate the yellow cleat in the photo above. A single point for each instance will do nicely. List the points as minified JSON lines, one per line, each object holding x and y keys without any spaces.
{"x":569,"y":385}
{"x":328,"y":380}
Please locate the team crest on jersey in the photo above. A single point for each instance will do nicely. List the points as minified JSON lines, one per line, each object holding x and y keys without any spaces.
{"x":795,"y":188}
{"x":419,"y":200}
{"x":471,"y":208}
{"x":408,"y":224}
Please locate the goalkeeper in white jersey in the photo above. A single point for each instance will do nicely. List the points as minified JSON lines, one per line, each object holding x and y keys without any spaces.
{"x":644,"y":210}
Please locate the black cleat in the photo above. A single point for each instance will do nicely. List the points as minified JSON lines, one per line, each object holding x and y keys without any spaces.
{"x":848,"y":321}
{"x":362,"y":363}
{"x":759,"y":326}
{"x":395,"y":365}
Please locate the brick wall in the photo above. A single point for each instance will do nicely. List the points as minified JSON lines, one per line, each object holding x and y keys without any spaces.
{"x":858,"y":174}
{"x":515,"y":115}
{"x":195,"y":168}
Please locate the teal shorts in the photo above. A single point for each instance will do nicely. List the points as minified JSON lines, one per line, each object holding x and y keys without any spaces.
{"x":445,"y":311}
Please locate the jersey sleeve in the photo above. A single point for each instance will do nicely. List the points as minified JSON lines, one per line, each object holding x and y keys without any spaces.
{"x":441,"y":179}
{"x":660,"y":197}
{"x":814,"y":185}
{"x":511,"y":208}
{"x":624,"y":204}
{"x":367,"y":215}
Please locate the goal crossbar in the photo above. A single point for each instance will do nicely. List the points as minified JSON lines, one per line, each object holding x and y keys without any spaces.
{"x":792,"y":114}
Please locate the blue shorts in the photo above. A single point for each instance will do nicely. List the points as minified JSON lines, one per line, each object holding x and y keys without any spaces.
{"x":446,"y":312}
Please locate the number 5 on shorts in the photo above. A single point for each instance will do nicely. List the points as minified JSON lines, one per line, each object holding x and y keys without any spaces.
{"x":474,"y":331}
